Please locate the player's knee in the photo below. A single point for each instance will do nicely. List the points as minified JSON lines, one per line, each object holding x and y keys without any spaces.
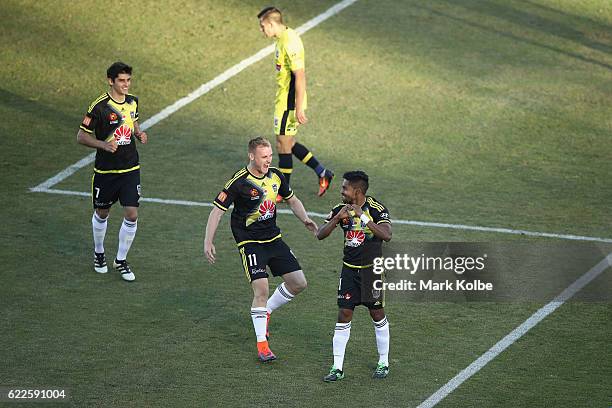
{"x":284,"y":144}
{"x":131,"y":214}
{"x":102,"y":212}
{"x":300,"y":286}
{"x":296,"y":286}
{"x":345,"y":315}
{"x":377,"y":314}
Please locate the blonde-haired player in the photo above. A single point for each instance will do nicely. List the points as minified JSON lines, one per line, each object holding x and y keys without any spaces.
{"x":253,"y":191}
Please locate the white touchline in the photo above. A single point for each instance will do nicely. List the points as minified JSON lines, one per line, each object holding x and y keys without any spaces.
{"x":64,"y":174}
{"x":402,"y":222}
{"x":517,"y":333}
{"x":202,"y":90}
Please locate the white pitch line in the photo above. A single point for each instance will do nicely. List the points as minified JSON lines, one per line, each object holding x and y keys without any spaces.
{"x":517,"y":333}
{"x":505,"y":231}
{"x":202,"y":90}
{"x":64,"y":174}
{"x":402,"y":222}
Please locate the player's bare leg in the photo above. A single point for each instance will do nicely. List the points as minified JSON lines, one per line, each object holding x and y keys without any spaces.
{"x":103,"y":212}
{"x":130,"y":213}
{"x":295,"y":282}
{"x":260,"y":292}
{"x":259,"y":317}
{"x":381,"y":328}
{"x":127,"y":233}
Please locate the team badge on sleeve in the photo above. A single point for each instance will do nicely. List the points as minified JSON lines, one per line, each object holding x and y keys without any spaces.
{"x":222,"y":196}
{"x":86,"y":120}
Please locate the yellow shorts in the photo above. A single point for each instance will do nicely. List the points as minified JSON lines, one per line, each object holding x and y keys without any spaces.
{"x":285,"y":123}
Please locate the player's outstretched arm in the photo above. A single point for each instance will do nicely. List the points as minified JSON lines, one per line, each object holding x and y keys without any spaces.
{"x":211,"y":229}
{"x":300,"y":212}
{"x":89,"y":141}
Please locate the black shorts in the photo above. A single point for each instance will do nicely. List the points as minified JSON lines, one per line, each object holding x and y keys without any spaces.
{"x":276,"y":254}
{"x":357,"y":287}
{"x":106,"y":189}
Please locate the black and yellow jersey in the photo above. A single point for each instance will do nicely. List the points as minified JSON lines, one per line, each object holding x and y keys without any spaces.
{"x":254,"y":199}
{"x":107,"y":118}
{"x":288,"y":57}
{"x":361,"y":246}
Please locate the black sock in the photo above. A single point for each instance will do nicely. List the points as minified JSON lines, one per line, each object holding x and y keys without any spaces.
{"x":285,"y":164}
{"x":301,"y":152}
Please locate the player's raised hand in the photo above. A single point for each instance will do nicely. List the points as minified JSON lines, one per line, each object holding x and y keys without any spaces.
{"x":343,"y":213}
{"x":311,"y":226}
{"x":142,"y":136}
{"x":357,"y":209}
{"x":210,"y":251}
{"x":301,"y":117}
{"x":110,"y":146}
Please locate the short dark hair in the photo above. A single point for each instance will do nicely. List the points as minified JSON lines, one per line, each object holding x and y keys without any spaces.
{"x":118,"y":68}
{"x":358,"y":179}
{"x":271,"y":11}
{"x":258,"y":141}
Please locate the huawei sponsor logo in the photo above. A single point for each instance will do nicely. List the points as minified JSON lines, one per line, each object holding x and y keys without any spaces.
{"x":123,"y":135}
{"x":354,"y":238}
{"x":267,"y":209}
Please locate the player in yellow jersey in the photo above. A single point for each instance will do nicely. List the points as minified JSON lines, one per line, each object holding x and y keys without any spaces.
{"x":291,"y":100}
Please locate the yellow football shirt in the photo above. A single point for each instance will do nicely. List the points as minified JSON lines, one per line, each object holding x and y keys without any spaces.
{"x":289,"y":57}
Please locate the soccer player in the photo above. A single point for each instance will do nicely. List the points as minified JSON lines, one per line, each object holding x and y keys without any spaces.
{"x":290,"y":103}
{"x":113,"y":119}
{"x":253,"y":191}
{"x":365,"y":223}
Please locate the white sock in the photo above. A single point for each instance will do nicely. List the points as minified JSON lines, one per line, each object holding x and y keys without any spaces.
{"x":259,"y":317}
{"x":280,"y":297}
{"x":127,"y":232}
{"x":99,"y":232}
{"x":382,"y":340}
{"x":341,"y":337}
